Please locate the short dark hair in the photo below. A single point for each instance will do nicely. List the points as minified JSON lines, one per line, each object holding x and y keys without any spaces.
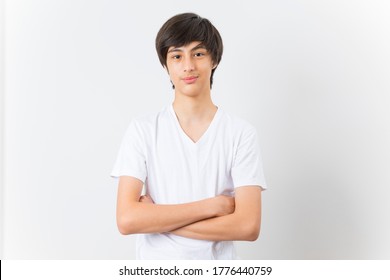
{"x":182,"y":29}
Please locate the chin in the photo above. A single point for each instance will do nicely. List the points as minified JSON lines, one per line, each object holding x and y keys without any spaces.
{"x":193,"y":90}
{"x":189,"y":92}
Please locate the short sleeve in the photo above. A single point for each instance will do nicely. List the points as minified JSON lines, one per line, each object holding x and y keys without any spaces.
{"x":247,"y":169}
{"x":131,"y":159}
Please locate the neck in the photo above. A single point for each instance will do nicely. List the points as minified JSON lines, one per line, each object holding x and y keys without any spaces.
{"x":191,"y":108}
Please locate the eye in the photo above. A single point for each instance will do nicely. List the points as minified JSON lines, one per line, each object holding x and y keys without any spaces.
{"x":176,"y":56}
{"x":199,"y":54}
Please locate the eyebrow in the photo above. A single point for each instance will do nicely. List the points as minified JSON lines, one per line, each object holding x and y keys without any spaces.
{"x":178,"y":49}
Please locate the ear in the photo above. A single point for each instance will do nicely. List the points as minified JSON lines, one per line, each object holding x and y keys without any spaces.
{"x":215,"y":66}
{"x":166,"y":68}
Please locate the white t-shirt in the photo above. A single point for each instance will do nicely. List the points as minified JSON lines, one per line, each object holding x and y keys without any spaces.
{"x":174,"y":169}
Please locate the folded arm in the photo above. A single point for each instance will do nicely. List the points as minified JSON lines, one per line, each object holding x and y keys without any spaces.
{"x":134,"y":216}
{"x":242,"y":224}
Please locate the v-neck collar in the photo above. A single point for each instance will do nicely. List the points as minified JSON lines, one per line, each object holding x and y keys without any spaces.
{"x":205,"y":134}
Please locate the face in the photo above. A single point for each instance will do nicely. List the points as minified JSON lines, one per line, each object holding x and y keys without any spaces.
{"x":189,"y":68}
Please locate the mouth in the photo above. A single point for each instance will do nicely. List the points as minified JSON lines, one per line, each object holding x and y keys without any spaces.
{"x":190,"y":79}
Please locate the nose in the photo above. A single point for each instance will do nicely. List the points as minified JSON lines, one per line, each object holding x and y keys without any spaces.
{"x":188,"y":64}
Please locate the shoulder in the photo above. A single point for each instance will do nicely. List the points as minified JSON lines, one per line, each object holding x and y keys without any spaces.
{"x":148,"y":121}
{"x":237,"y":124}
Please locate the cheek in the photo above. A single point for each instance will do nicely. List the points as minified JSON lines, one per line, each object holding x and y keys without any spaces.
{"x":172,"y":71}
{"x":206,"y":70}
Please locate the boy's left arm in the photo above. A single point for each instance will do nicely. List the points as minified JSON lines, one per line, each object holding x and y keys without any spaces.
{"x":242,"y":224}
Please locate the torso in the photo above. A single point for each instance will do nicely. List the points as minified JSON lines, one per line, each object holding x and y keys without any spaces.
{"x":195,"y":131}
{"x":196,"y":126}
{"x":186,"y":162}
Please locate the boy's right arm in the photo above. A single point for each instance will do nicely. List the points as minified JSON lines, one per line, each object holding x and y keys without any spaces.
{"x":134,"y":216}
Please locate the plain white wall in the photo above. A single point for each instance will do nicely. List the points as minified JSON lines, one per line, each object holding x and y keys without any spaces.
{"x":312,"y":76}
{"x":2,"y":21}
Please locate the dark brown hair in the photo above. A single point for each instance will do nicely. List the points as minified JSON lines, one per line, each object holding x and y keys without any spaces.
{"x":182,"y":29}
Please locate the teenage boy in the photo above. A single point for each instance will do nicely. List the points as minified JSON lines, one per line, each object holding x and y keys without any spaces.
{"x":200,"y":166}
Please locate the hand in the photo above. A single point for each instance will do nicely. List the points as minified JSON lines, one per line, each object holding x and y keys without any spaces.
{"x":146,"y":199}
{"x":225,"y":205}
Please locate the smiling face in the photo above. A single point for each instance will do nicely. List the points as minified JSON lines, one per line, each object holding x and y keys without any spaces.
{"x":189,"y":68}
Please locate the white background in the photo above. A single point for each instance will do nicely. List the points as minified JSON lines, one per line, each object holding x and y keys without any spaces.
{"x":312,"y":76}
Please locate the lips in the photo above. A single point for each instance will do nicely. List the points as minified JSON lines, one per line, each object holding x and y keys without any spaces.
{"x":190,"y":79}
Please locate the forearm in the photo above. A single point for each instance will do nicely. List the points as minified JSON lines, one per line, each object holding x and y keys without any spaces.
{"x":138,"y":214}
{"x":153,"y":218}
{"x":242,"y":224}
{"x":229,"y":227}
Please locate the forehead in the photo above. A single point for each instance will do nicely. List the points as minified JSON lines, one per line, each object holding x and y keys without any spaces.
{"x":188,"y":47}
